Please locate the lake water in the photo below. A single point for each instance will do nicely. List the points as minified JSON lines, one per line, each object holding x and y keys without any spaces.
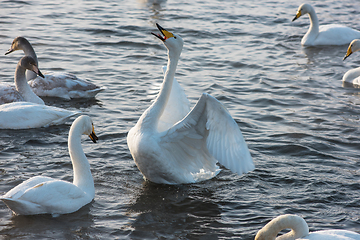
{"x":301,"y":125}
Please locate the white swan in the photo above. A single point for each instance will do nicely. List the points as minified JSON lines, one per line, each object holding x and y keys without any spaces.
{"x":22,"y":90}
{"x":185,"y":149}
{"x":62,"y":85}
{"x":353,"y":75}
{"x":300,"y":230}
{"x":333,"y":34}
{"x":45,"y":195}
{"x":25,"y":115}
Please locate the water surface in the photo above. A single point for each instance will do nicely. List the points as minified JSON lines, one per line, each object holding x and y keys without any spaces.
{"x":300,"y":123}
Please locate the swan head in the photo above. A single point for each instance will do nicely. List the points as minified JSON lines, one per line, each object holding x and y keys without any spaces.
{"x":172,"y":41}
{"x":29,"y":63}
{"x":303,"y":9}
{"x":353,"y":47}
{"x":298,"y":226}
{"x":17,"y":44}
{"x":85,"y":126}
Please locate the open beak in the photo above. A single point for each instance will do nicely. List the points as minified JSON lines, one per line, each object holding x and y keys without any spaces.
{"x":298,"y":14}
{"x":93,"y":136}
{"x":348,"y":53}
{"x":165,"y":34}
{"x":9,"y":51}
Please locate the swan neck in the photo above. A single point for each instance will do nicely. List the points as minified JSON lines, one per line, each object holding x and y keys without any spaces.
{"x":314,"y":23}
{"x":29,"y":51}
{"x":152,"y":115}
{"x":81,"y":167}
{"x":298,"y":226}
{"x":23,"y":87}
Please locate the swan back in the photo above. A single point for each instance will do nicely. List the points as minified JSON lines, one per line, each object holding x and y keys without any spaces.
{"x":298,"y":226}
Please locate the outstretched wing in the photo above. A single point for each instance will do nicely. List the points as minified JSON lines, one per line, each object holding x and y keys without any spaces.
{"x":206,"y":135}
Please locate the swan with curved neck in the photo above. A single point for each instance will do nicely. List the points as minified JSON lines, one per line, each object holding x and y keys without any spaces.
{"x":62,"y":85}
{"x":333,"y":34}
{"x":45,"y":195}
{"x":300,"y":230}
{"x":22,"y":90}
{"x":188,"y":149}
{"x":352,"y":76}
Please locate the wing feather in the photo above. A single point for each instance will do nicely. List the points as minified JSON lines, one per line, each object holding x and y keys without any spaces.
{"x":206,"y":135}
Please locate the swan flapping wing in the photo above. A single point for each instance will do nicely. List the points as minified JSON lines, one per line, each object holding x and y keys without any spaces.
{"x":206,"y":135}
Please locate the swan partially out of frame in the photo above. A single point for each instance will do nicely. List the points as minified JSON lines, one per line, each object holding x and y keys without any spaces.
{"x":62,"y":84}
{"x":300,"y":230}
{"x":171,"y":145}
{"x":45,"y":195}
{"x":333,"y":34}
{"x":353,"y":75}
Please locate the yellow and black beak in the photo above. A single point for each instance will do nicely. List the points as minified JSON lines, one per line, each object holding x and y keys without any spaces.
{"x":93,"y":136}
{"x":166,"y":34}
{"x":298,"y":14}
{"x":348,"y":53}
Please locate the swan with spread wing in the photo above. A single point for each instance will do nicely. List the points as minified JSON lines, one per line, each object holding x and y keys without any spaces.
{"x":172,"y":145}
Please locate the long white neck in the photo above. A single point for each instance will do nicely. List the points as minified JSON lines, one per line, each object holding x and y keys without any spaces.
{"x":81,"y":167}
{"x":298,"y":226}
{"x":29,"y":51}
{"x":313,"y":31}
{"x":23,"y":87}
{"x":151,"y":116}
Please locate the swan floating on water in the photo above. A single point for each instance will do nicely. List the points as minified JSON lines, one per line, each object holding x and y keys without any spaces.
{"x":300,"y":230}
{"x":353,"y":75}
{"x":25,"y":115}
{"x":22,"y":90}
{"x":45,"y":195}
{"x":333,"y":34}
{"x":62,"y":85}
{"x":171,"y":145}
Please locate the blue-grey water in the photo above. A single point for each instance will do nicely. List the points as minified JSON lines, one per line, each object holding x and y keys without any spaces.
{"x":301,"y":125}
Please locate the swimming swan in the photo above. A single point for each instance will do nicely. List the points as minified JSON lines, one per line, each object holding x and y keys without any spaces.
{"x":333,"y":34}
{"x":22,"y":90}
{"x":45,"y":195}
{"x":185,"y":149}
{"x":353,"y":75}
{"x":300,"y":230}
{"x":62,"y":85}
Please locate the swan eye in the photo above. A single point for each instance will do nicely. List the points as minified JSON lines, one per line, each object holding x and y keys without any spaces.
{"x":174,"y":37}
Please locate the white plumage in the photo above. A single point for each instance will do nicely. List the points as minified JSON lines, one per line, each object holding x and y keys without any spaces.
{"x":353,"y":75}
{"x":45,"y":195}
{"x":171,"y":145}
{"x":25,"y":115}
{"x":333,"y":34}
{"x":300,"y":230}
